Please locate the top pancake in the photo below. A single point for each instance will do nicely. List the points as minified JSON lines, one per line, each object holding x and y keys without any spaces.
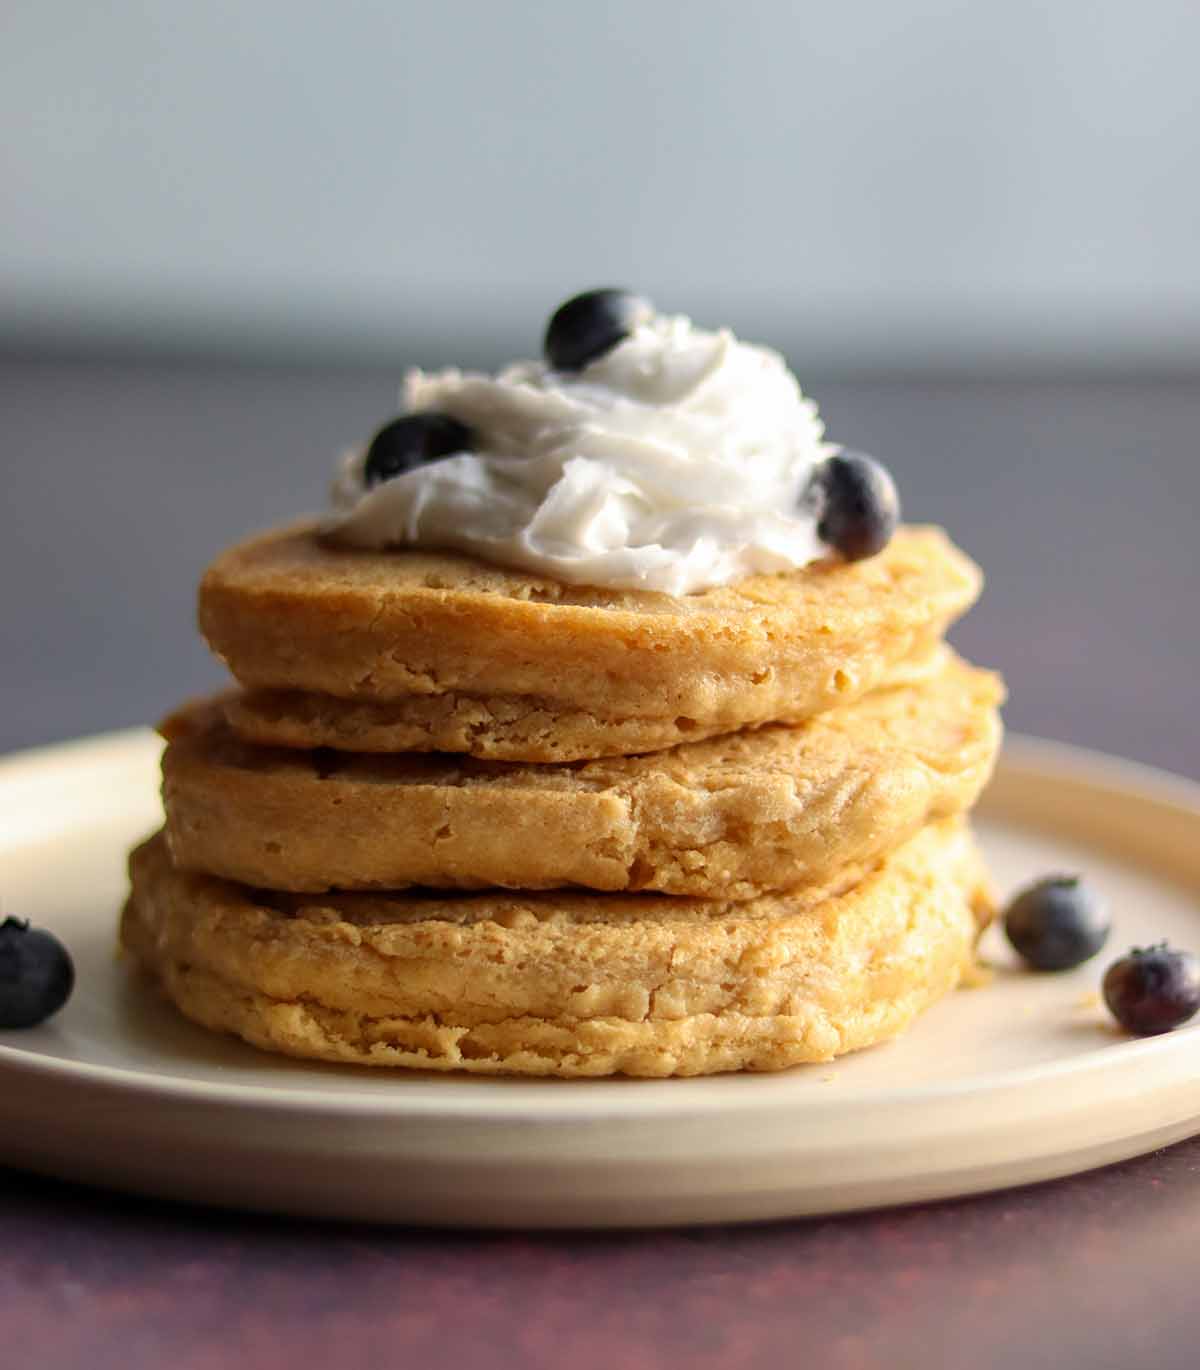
{"x":289,"y":613}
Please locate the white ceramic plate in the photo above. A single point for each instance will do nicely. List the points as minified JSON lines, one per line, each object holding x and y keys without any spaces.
{"x":1021,"y":1081}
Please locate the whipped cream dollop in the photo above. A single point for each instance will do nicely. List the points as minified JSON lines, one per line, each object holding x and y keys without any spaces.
{"x":674,"y":462}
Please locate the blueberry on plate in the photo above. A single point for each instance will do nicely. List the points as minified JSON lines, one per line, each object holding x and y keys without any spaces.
{"x":1057,"y":923}
{"x":413,"y":440}
{"x":1153,"y":989}
{"x":591,"y":324}
{"x":36,"y":974}
{"x":856,"y":504}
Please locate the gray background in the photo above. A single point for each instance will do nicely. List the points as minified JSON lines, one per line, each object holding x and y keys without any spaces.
{"x":892,"y":182}
{"x":972,"y":227}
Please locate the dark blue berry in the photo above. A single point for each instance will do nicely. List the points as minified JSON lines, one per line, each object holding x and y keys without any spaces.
{"x":1057,"y":923}
{"x":856,"y":504}
{"x":36,"y":974}
{"x":1153,"y":989}
{"x":591,"y":324}
{"x":413,"y":440}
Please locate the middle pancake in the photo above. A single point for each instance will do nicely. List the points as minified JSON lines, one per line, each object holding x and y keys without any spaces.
{"x":730,"y":817}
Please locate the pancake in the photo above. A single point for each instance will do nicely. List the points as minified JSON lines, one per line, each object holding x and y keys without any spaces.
{"x":566,"y":983}
{"x":418,"y":651}
{"x":732,"y":818}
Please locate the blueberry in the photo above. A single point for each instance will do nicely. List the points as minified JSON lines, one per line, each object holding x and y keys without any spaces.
{"x":856,"y":504}
{"x":591,"y":324}
{"x":1057,"y":923}
{"x":413,"y":440}
{"x":36,"y":974}
{"x":1153,"y":989}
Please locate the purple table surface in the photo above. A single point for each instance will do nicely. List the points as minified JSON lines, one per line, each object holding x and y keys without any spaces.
{"x":1080,"y":499}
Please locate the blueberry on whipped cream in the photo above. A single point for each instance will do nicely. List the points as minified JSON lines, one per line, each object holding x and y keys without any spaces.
{"x":856,"y":504}
{"x":591,"y":324}
{"x":642,"y":453}
{"x":410,"y":441}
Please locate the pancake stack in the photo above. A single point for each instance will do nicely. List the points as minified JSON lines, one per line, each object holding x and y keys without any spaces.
{"x":457,"y":817}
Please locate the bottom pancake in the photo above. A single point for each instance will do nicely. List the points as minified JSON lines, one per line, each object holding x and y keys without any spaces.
{"x":566,"y":983}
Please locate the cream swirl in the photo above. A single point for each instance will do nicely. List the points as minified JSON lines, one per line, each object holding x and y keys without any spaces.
{"x":675,"y":462}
